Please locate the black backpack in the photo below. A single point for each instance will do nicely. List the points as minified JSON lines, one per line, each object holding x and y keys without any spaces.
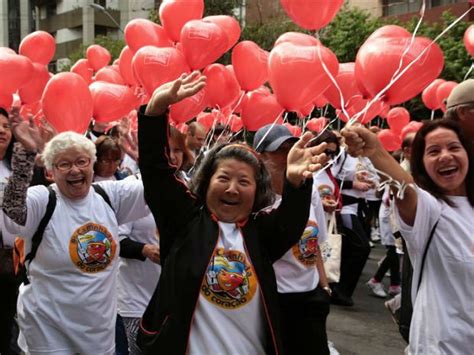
{"x":38,"y":236}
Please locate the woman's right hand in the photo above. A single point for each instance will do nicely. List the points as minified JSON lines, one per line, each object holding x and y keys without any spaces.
{"x":26,"y":132}
{"x":360,"y":141}
{"x":175,"y":91}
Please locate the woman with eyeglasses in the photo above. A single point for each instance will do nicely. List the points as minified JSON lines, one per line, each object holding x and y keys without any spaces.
{"x":109,"y":157}
{"x":70,"y":303}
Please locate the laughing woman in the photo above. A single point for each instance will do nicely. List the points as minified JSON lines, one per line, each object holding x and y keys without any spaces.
{"x":217,"y":291}
{"x":436,"y":220}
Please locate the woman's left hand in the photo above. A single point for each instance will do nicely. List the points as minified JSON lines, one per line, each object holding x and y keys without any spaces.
{"x":304,"y":161}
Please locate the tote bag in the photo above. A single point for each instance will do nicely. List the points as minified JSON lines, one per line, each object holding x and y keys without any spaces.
{"x":331,"y":251}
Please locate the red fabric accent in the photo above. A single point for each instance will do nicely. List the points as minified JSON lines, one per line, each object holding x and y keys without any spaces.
{"x":337,"y":192}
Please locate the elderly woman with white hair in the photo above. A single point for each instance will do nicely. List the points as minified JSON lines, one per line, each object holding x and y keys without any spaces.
{"x":69,"y":304}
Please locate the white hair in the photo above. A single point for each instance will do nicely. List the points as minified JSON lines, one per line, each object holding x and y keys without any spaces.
{"x":65,"y":141}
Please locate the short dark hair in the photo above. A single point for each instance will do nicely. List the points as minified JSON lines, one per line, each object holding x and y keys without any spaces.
{"x":419,"y":172}
{"x":326,"y":136}
{"x":105,"y":145}
{"x":199,"y":185}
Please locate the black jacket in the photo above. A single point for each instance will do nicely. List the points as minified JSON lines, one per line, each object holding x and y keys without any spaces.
{"x":188,"y":235}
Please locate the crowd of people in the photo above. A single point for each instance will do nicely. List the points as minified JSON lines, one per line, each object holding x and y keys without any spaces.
{"x":155,"y":241}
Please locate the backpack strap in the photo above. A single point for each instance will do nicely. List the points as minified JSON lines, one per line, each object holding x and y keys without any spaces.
{"x":38,"y":236}
{"x":424,"y":255}
{"x":98,"y":189}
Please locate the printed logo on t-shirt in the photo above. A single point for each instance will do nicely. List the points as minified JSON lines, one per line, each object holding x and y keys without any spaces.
{"x":230,"y":281}
{"x":306,"y":250}
{"x":92,"y":248}
{"x":325,"y":192}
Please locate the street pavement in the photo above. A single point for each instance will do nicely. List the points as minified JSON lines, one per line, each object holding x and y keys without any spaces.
{"x":366,"y":328}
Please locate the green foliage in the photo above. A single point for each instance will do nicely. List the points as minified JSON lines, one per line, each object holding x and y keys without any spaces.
{"x":114,"y":46}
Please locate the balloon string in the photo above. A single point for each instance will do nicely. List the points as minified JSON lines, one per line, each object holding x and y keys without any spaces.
{"x":399,"y":75}
{"x":432,"y":114}
{"x":268,"y":131}
{"x":468,"y":72}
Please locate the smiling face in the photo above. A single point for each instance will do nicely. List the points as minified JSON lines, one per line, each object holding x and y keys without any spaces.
{"x":231,"y":192}
{"x":5,"y":135}
{"x":74,"y":183}
{"x":446,"y":161}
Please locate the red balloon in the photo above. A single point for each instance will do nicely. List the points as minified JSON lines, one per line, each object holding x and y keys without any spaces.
{"x":260,"y":109}
{"x":97,"y":56}
{"x":174,"y":14}
{"x":385,"y":109}
{"x":33,"y":91}
{"x":39,"y":46}
{"x":67,"y":103}
{"x":83,"y":69}
{"x":222,"y":88}
{"x":320,"y":101}
{"x":202,"y":43}
{"x":305,"y":111}
{"x":141,"y":32}
{"x":398,"y":118}
{"x":429,"y":97}
{"x":229,"y":25}
{"x":469,"y":40}
{"x":125,"y":66}
{"x":442,"y":93}
{"x":110,"y":75}
{"x":250,"y":64}
{"x":15,"y":71}
{"x":297,"y":75}
{"x":188,"y":108}
{"x":111,"y":101}
{"x":379,"y":59}
{"x":6,"y":50}
{"x":298,"y":39}
{"x":6,"y":101}
{"x":155,"y":66}
{"x":235,"y":123}
{"x":316,"y":124}
{"x":295,"y":130}
{"x":206,"y":119}
{"x":346,"y":81}
{"x":311,"y":14}
{"x":411,"y":127}
{"x":357,"y":104}
{"x":390,"y":140}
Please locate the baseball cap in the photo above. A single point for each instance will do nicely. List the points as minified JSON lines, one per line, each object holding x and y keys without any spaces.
{"x":461,"y":94}
{"x":270,"y":137}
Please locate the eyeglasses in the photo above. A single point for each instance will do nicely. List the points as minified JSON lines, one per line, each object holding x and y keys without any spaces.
{"x":109,"y":161}
{"x":67,"y":165}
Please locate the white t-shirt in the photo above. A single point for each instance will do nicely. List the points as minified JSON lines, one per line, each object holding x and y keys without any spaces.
{"x":296,"y":271}
{"x":386,"y":217}
{"x":70,"y":305}
{"x":347,"y":172}
{"x":229,"y":316}
{"x":443,"y":312}
{"x":137,"y":279}
{"x":323,"y":184}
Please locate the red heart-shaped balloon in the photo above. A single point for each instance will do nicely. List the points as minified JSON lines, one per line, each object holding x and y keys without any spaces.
{"x":390,"y":140}
{"x":297,"y":75}
{"x":155,"y":66}
{"x":229,"y":25}
{"x":15,"y":71}
{"x":378,"y":61}
{"x":141,"y":32}
{"x":203,"y":43}
{"x":260,"y":109}
{"x":111,"y":101}
{"x":398,"y":118}
{"x":316,"y":124}
{"x":311,"y":14}
{"x":298,"y":39}
{"x":429,"y":97}
{"x":125,"y":66}
{"x":39,"y":46}
{"x":442,"y":93}
{"x":110,"y":75}
{"x":97,"y":56}
{"x":250,"y":64}
{"x":33,"y":91}
{"x":347,"y":85}
{"x":82,"y":68}
{"x":174,"y":14}
{"x":222,"y":88}
{"x":188,"y":108}
{"x":469,"y":40}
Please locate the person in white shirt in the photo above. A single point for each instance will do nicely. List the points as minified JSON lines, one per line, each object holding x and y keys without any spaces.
{"x":69,"y":304}
{"x":436,"y":220}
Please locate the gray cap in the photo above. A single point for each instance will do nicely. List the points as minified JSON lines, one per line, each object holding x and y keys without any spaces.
{"x":461,"y":94}
{"x":270,"y":137}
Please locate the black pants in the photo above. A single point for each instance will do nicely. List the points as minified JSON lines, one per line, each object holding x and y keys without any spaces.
{"x":355,"y":251}
{"x":8,"y":297}
{"x":391,"y":262}
{"x":303,"y":317}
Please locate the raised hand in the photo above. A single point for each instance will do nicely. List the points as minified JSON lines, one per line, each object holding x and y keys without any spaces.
{"x":26,"y":132}
{"x":304,"y":161}
{"x":129,"y":144}
{"x":360,"y":141}
{"x":170,"y":93}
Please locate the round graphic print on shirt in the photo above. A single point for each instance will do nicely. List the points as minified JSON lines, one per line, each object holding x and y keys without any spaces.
{"x":230,"y":280}
{"x":92,"y":248}
{"x":306,"y":250}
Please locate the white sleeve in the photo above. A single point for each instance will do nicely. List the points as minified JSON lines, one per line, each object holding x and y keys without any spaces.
{"x":36,"y":202}
{"x":125,"y":231}
{"x":428,"y":211}
{"x":127,"y":199}
{"x":317,"y":206}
